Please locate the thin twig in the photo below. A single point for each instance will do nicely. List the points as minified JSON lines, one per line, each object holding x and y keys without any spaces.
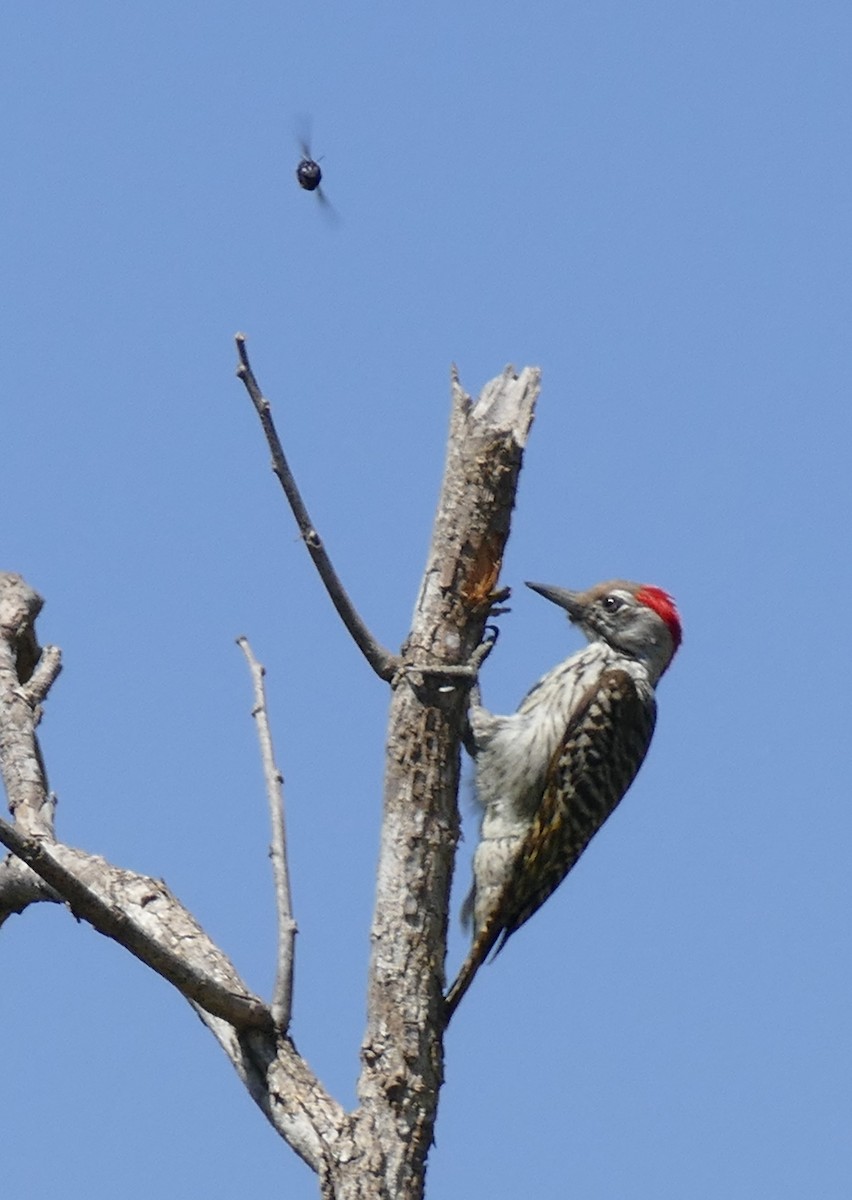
{"x":383,"y":662}
{"x":468,"y":670}
{"x":282,"y":998}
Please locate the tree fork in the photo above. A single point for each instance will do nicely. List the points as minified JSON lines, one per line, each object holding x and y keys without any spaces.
{"x":378,"y":1151}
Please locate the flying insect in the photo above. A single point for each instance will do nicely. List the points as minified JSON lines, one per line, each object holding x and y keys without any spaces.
{"x":309,"y":175}
{"x":308,"y":172}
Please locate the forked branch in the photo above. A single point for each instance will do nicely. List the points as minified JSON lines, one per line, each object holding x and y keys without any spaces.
{"x":379,"y":1150}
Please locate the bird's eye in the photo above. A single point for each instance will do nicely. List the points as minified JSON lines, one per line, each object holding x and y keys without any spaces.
{"x":612,"y":603}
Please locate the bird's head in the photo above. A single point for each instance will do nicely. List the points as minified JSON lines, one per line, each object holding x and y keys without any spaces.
{"x":636,"y":619}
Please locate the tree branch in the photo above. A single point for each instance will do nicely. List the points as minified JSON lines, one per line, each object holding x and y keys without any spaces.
{"x":142,"y":915}
{"x":282,"y":998}
{"x":285,"y":1090}
{"x":26,"y":675}
{"x":380,"y":659}
{"x":134,"y":910}
{"x":20,"y":887}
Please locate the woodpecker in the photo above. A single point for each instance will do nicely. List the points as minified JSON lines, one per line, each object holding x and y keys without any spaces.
{"x":549,"y":775}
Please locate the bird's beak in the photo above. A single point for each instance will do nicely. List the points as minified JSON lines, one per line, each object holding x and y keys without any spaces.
{"x":571,"y":601}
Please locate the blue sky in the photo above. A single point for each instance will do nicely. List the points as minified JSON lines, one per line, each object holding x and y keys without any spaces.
{"x":652,"y":202}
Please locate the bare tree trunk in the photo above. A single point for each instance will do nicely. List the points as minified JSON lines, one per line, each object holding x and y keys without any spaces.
{"x":378,"y":1151}
{"x":402,"y":1053}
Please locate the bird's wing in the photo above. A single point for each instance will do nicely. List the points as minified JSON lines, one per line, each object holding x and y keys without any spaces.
{"x":601,"y":750}
{"x":600,"y":753}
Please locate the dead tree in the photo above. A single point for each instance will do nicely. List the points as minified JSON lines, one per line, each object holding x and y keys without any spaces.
{"x":377,"y":1151}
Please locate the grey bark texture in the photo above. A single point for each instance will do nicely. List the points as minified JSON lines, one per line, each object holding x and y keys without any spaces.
{"x":379,"y":1150}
